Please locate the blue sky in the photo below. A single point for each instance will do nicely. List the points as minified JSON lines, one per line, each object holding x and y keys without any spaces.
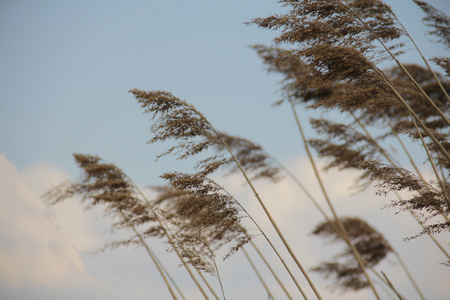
{"x":67,"y":66}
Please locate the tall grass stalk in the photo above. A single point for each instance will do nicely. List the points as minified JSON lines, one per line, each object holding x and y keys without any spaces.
{"x":333,"y":211}
{"x":338,"y":231}
{"x":392,"y":286}
{"x":272,"y":221}
{"x":258,"y":274}
{"x":150,"y":253}
{"x":400,"y":65}
{"x":276,"y":252}
{"x":168,"y":276}
{"x":414,"y":116}
{"x":181,"y":121}
{"x":169,"y":238}
{"x":333,"y":64}
{"x":271,"y":270}
{"x":385,"y":154}
{"x":423,"y":58}
{"x":433,"y":166}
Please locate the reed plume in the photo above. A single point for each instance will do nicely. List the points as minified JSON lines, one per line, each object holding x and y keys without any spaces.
{"x":312,"y":78}
{"x":329,"y":54}
{"x":438,"y":21}
{"x":177,"y":120}
{"x":370,"y":243}
{"x":104,"y":184}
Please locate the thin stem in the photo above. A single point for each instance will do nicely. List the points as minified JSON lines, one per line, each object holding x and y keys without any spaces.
{"x":333,"y":224}
{"x":397,"y":61}
{"x":272,"y":246}
{"x":432,"y":237}
{"x":423,"y":58}
{"x":392,"y":286}
{"x":399,"y":258}
{"x":218,"y":275}
{"x":290,"y":174}
{"x":302,"y":187}
{"x":169,"y":238}
{"x":385,"y":286}
{"x":271,"y":270}
{"x":406,"y":151}
{"x":420,"y":175}
{"x":410,"y":110}
{"x":207,"y":284}
{"x":168,"y":275}
{"x":399,"y":197}
{"x":151,"y":255}
{"x":387,"y":156}
{"x":438,"y":177}
{"x":338,"y":221}
{"x":272,"y":221}
{"x":258,"y":274}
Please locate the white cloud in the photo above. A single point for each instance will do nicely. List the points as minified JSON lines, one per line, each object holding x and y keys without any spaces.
{"x":69,"y":215}
{"x":36,"y":254}
{"x":43,"y":249}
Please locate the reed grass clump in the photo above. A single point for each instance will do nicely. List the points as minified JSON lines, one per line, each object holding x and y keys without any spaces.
{"x":328,"y":53}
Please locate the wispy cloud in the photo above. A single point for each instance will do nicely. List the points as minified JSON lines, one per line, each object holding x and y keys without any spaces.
{"x":36,"y":255}
{"x":43,"y":250}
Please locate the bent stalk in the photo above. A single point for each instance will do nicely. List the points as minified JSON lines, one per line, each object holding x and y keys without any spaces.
{"x":341,"y":226}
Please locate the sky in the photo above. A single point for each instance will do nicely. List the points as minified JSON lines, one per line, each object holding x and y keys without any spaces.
{"x":66,"y":68}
